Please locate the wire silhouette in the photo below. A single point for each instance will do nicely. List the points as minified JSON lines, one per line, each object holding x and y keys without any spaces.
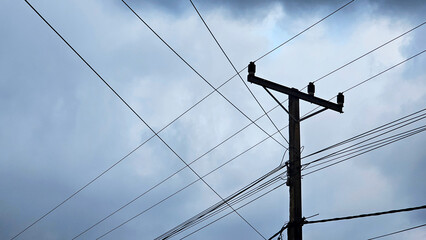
{"x":90,"y":182}
{"x":400,"y":231}
{"x":354,"y":139}
{"x":235,"y":69}
{"x":357,"y":85}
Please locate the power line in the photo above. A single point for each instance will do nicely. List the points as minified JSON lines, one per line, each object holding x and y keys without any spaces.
{"x":353,"y":147}
{"x":196,"y":72}
{"x":194,"y":220}
{"x":354,"y":138}
{"x":372,"y":131}
{"x":235,"y":69}
{"x":255,"y":199}
{"x":311,"y":221}
{"x":223,"y":208}
{"x":109,"y":86}
{"x":396,"y":65}
{"x":90,"y":182}
{"x":140,"y":145}
{"x":400,"y":231}
{"x":374,"y":76}
{"x":322,"y":158}
{"x":367,"y":215}
{"x":366,"y":151}
{"x":279,"y":232}
{"x":367,"y":53}
{"x":412,"y":133}
{"x":171,"y":195}
{"x":306,"y":29}
{"x":368,"y":147}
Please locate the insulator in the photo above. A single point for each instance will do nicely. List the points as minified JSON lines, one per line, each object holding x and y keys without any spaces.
{"x":340,"y":99}
{"x":251,"y":68}
{"x":311,"y":89}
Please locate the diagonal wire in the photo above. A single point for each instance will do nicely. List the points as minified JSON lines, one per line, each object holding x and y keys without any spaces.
{"x":367,"y":53}
{"x":171,"y":195}
{"x":372,"y":77}
{"x":235,"y":69}
{"x":109,"y":86}
{"x":195,"y":71}
{"x":410,"y":133}
{"x":367,"y":215}
{"x":370,"y":147}
{"x":352,"y":147}
{"x":373,"y":131}
{"x":369,"y":150}
{"x":326,"y":220}
{"x":400,"y":231}
{"x":396,"y":65}
{"x":229,"y":199}
{"x":203,"y":155}
{"x":306,"y":29}
{"x":273,"y":189}
{"x":224,"y":83}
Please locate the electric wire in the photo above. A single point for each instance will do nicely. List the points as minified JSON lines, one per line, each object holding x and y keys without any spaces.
{"x":372,"y":77}
{"x":193,"y":106}
{"x":199,"y":74}
{"x":367,"y":53}
{"x":376,"y":75}
{"x":329,"y":156}
{"x":375,"y":214}
{"x":316,"y":170}
{"x":196,"y":72}
{"x":220,"y":209}
{"x":251,"y":201}
{"x":145,"y":123}
{"x":227,"y":199}
{"x":186,"y":225}
{"x":396,"y":65}
{"x":364,"y":152}
{"x":306,"y":29}
{"x":372,"y":131}
{"x":90,"y":182}
{"x":279,"y":232}
{"x":380,"y":143}
{"x":235,"y":69}
{"x":223,"y":202}
{"x":171,"y":195}
{"x":350,"y":148}
{"x":369,"y":150}
{"x":380,"y":72}
{"x":367,"y":215}
{"x":400,"y":231}
{"x":393,"y":124}
{"x":409,"y":131}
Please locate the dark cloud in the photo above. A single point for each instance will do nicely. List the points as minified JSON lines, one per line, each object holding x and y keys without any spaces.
{"x":254,"y":8}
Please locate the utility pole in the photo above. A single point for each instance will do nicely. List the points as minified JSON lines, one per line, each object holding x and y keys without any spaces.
{"x":294,"y":179}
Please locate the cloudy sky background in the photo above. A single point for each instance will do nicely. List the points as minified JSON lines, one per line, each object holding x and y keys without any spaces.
{"x":61,"y":126}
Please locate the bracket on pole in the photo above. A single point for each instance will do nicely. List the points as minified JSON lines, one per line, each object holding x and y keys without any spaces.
{"x":338,"y":107}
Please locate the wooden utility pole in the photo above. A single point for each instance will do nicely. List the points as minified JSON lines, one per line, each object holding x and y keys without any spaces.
{"x":294,"y":180}
{"x":294,"y":171}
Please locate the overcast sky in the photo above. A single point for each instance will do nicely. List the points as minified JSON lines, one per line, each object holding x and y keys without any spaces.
{"x":61,"y":126}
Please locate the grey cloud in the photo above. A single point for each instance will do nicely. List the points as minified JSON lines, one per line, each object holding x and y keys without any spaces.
{"x":257,"y":8}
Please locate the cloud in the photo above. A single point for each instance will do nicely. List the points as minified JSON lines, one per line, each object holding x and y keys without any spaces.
{"x":62,"y":126}
{"x":247,"y":9}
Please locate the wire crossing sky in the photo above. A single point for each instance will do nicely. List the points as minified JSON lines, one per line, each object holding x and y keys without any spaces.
{"x":64,"y":132}
{"x":90,"y":182}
